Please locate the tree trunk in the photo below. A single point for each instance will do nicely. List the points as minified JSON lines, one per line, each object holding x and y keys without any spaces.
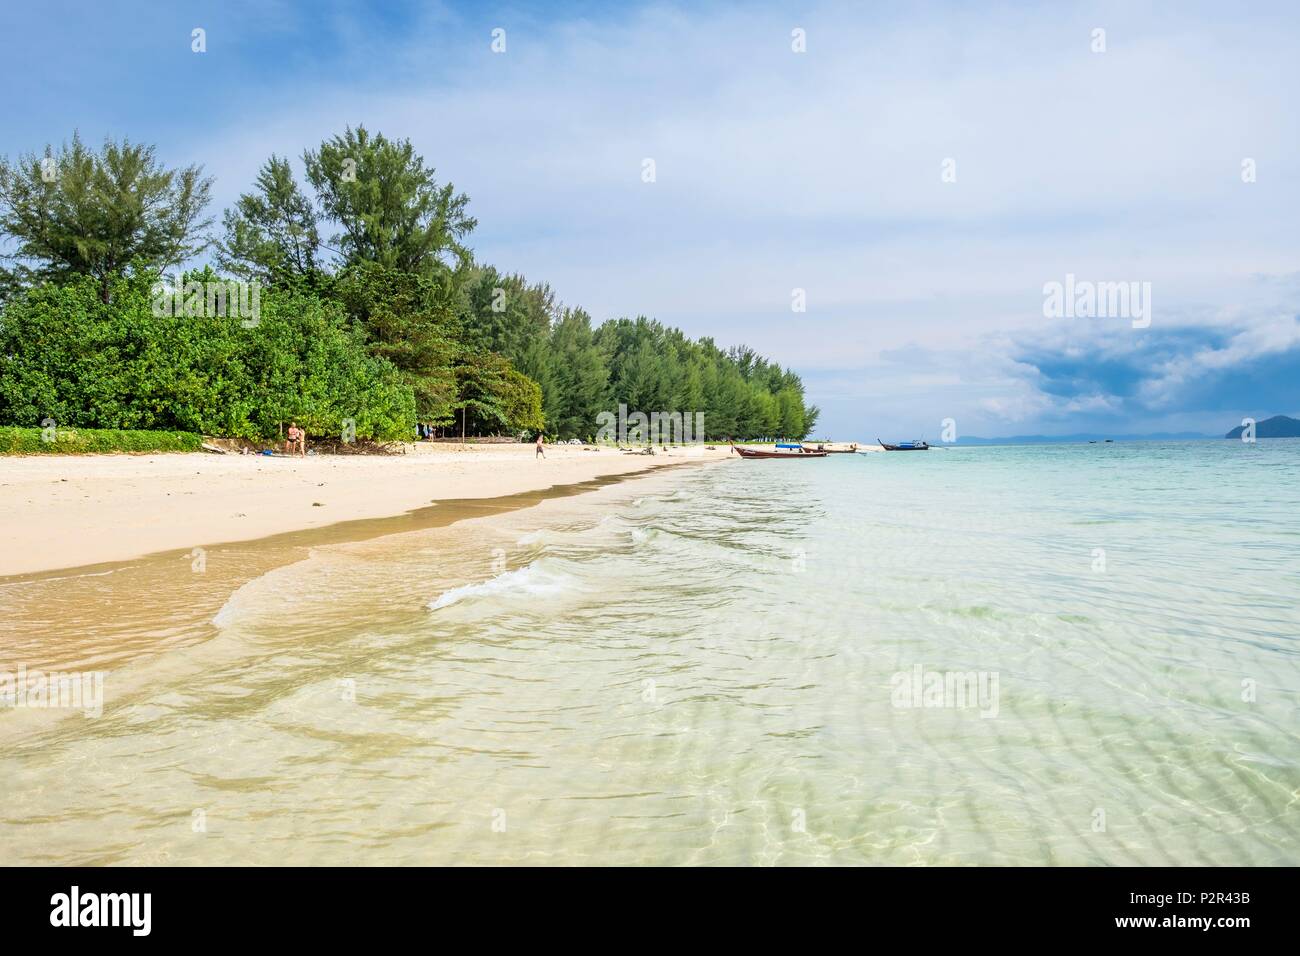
{"x":463,"y":412}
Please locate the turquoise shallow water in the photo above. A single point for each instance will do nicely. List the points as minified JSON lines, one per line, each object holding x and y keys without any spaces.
{"x":755,"y":662}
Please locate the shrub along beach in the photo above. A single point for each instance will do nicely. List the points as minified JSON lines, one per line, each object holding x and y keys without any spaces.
{"x":85,"y":441}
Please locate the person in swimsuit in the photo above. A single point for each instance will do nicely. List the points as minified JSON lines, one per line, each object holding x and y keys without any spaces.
{"x":540,"y":453}
{"x":296,"y":441}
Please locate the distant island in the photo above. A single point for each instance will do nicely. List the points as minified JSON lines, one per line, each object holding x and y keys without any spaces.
{"x":1279,"y":426}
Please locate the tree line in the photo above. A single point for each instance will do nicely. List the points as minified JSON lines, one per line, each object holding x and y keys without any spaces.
{"x":372,"y":312}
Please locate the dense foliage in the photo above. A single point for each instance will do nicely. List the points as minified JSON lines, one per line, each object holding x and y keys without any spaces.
{"x":68,"y":356}
{"x":386,"y":323}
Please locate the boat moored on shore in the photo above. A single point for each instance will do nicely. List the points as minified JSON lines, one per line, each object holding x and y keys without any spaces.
{"x":831,"y":451}
{"x":798,"y":452}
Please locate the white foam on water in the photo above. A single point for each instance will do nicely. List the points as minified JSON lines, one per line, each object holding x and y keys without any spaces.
{"x":530,"y":580}
{"x":617,"y":522}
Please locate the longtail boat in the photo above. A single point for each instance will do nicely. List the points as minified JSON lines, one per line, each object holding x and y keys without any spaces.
{"x":831,"y":451}
{"x":905,"y":446}
{"x":755,"y":453}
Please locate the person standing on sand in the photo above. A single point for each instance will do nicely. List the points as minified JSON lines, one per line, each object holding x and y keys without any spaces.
{"x":540,"y":453}
{"x":297,"y":440}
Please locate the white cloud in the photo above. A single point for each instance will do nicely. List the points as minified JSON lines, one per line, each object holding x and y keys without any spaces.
{"x":1262,"y":338}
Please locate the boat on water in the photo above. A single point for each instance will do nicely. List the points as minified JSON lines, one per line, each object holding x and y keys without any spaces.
{"x":799,"y":452}
{"x":906,"y":446}
{"x":831,"y":451}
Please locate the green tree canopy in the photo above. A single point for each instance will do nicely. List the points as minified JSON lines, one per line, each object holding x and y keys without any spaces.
{"x":271,"y":234}
{"x":391,"y":209}
{"x":78,"y":211}
{"x":410,"y":321}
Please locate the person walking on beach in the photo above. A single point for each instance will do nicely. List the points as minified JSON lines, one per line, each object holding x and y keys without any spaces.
{"x":540,"y":453}
{"x":296,"y":441}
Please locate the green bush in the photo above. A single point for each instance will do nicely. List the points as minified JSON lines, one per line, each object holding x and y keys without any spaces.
{"x":69,"y":356}
{"x":85,"y":441}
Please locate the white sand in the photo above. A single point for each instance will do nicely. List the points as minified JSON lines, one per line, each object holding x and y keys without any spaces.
{"x":69,"y":511}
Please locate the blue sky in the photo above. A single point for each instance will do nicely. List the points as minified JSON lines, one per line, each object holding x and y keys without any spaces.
{"x":779,"y":170}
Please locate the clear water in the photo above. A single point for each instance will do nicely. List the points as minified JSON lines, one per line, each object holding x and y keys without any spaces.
{"x":702,"y":668}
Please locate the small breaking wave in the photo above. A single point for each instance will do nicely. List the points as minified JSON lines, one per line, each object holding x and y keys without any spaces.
{"x":280,"y":592}
{"x":529,"y":580}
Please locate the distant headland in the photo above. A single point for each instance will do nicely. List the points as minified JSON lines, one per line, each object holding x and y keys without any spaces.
{"x":1279,"y":426}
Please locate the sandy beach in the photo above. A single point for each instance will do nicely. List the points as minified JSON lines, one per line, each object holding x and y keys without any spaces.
{"x":72,"y":511}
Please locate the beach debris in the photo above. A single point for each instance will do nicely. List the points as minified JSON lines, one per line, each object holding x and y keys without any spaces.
{"x":213,"y":449}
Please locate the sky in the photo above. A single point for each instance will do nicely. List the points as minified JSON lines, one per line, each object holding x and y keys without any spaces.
{"x":922,"y":172}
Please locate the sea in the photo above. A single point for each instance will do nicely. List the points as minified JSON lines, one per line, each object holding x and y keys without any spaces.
{"x":998,"y":655}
